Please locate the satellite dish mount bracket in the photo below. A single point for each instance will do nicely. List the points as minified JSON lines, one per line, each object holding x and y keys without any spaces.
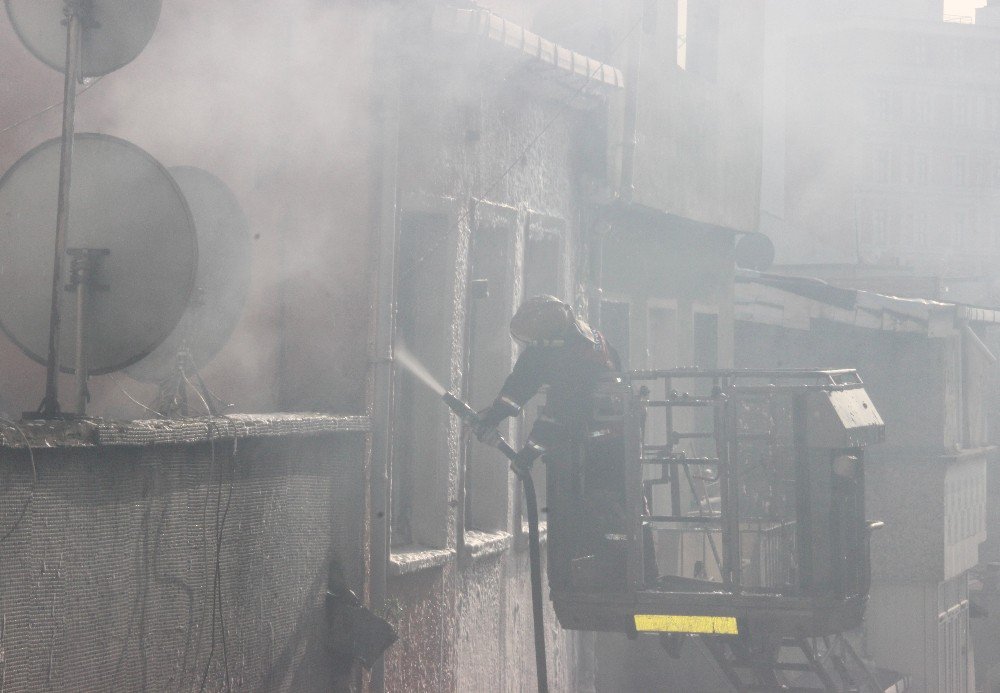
{"x":84,"y":268}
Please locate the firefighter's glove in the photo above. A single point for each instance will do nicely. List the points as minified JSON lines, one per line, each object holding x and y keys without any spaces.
{"x":490,"y":419}
{"x":488,"y":436}
{"x":526,"y":457}
{"x":486,"y":428}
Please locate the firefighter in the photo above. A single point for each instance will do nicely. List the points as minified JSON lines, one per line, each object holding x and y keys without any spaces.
{"x":563,"y":352}
{"x":583,"y":453}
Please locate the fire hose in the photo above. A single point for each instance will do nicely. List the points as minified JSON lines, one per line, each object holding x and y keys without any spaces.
{"x":470,"y":417}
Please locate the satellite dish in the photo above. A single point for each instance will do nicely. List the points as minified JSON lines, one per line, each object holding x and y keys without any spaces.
{"x":112,"y":32}
{"x":221,"y":283}
{"x":100,"y":36}
{"x":123,"y":201}
{"x":754,"y":251}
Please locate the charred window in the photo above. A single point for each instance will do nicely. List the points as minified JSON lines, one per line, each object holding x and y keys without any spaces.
{"x":490,"y":352}
{"x":423,"y":324}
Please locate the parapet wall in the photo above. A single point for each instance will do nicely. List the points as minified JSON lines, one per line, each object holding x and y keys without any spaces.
{"x":177,"y":555}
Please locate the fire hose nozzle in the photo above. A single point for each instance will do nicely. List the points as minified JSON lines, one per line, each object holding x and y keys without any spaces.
{"x":469,"y":416}
{"x":461,"y":409}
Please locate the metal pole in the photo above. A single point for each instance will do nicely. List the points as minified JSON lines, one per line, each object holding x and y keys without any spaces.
{"x":50,"y":404}
{"x":725,"y":434}
{"x":81,"y":357}
{"x":636,"y":559}
{"x":83,"y":271}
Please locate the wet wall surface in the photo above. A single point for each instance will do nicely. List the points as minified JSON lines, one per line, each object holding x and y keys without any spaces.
{"x":465,"y":624}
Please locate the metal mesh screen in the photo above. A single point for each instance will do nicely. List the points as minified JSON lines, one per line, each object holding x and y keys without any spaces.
{"x":176,"y":567}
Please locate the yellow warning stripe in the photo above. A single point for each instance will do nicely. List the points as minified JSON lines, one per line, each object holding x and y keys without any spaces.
{"x":668,"y":623}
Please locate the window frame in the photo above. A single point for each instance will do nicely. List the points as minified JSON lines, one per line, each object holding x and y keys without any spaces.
{"x":490,"y":532}
{"x":429,"y":543}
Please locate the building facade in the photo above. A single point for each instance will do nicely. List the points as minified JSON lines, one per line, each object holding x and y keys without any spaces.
{"x":880,"y":139}
{"x":409,"y":173}
{"x":927,"y":366}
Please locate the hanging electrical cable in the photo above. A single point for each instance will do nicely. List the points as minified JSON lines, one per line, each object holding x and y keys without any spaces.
{"x":48,"y":108}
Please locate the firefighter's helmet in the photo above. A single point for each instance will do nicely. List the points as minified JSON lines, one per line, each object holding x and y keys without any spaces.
{"x":547,"y":321}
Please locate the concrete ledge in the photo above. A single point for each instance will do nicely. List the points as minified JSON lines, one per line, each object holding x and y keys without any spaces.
{"x":102,"y":433}
{"x":482,"y":544}
{"x":415,"y":559}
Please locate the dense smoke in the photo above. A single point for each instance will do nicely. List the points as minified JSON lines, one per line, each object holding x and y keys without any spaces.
{"x":270,"y":99}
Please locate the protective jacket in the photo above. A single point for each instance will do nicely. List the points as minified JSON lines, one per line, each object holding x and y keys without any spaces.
{"x":572,"y":372}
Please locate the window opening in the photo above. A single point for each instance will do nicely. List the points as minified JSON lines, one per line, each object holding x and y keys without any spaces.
{"x":423,"y":323}
{"x":489,"y":359}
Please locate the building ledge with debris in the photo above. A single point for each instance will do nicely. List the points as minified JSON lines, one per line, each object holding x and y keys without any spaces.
{"x":793,"y":302}
{"x":96,"y":432}
{"x":539,"y":58}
